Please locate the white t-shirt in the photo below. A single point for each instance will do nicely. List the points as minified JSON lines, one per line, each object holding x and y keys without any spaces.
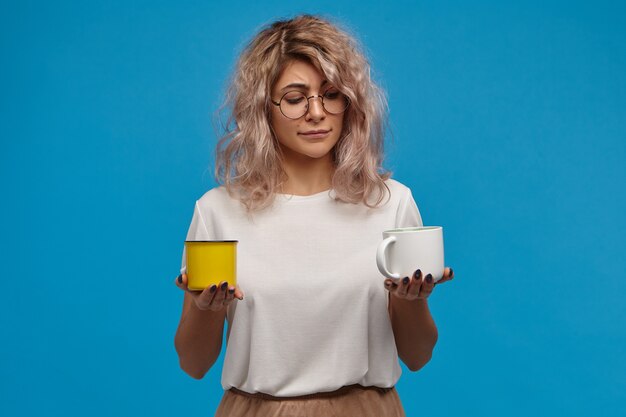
{"x":315,"y":312}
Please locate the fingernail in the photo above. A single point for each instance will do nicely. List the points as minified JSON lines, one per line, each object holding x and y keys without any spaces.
{"x":429,"y":278}
{"x":418,"y":274}
{"x":231,"y":290}
{"x":180,"y":279}
{"x":224,"y":286}
{"x":405,"y":280}
{"x":451,"y":272}
{"x":240,"y":298}
{"x":213,"y":288}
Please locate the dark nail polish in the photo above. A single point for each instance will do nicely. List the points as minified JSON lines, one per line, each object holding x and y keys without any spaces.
{"x":429,"y":278}
{"x":418,"y":274}
{"x":224,"y":286}
{"x":231,"y":291}
{"x":180,"y":279}
{"x":405,"y":280}
{"x":213,"y":288}
{"x":451,"y":272}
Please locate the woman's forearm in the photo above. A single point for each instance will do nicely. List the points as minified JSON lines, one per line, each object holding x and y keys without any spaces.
{"x":414,"y":331}
{"x":198,"y":339}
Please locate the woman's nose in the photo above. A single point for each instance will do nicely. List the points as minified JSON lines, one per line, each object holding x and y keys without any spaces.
{"x":316,"y":109}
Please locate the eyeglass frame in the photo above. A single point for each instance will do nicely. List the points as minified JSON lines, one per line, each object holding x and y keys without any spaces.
{"x":308,"y":103}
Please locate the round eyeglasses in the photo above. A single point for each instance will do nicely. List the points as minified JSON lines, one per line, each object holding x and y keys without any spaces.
{"x":295,"y":104}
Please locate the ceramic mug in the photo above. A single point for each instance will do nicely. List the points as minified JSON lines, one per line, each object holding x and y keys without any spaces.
{"x":211,"y":262}
{"x":407,"y":249}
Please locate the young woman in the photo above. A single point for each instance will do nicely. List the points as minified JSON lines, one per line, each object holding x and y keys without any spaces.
{"x":313,"y":328}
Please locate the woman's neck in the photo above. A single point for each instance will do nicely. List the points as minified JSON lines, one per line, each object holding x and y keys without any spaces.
{"x":308,"y":176}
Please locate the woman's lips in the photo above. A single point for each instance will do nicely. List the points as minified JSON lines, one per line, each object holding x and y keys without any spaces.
{"x":315,"y":135}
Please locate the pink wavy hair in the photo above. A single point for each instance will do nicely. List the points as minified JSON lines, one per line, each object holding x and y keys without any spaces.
{"x":247,"y":156}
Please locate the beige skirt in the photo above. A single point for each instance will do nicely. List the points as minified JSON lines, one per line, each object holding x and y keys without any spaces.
{"x":348,"y":401}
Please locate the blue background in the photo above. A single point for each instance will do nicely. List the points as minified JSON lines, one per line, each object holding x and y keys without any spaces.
{"x":508,"y":123}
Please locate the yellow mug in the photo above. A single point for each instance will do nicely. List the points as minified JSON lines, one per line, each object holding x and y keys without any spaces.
{"x":210,"y":262}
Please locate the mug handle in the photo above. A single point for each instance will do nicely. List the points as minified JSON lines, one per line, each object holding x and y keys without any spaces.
{"x":380,"y":257}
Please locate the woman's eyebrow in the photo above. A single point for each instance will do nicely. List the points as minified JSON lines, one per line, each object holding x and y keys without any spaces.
{"x":300,"y":85}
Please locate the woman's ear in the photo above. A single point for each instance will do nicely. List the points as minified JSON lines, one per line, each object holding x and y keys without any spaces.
{"x":268,"y":113}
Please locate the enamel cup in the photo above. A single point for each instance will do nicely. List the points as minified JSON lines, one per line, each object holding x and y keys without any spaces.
{"x":405,"y":250}
{"x":210,"y":262}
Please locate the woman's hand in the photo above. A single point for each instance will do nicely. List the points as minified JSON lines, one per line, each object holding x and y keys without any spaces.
{"x":212,"y":298}
{"x":416,"y":288}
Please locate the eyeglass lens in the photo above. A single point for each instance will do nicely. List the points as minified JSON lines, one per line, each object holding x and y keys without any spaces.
{"x":294,"y":104}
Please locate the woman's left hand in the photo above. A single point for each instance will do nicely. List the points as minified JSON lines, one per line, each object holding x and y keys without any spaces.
{"x":416,"y":287}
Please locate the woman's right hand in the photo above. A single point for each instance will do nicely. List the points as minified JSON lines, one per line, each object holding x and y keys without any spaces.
{"x":212,"y":298}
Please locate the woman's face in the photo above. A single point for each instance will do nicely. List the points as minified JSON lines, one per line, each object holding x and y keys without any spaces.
{"x":291,"y":133}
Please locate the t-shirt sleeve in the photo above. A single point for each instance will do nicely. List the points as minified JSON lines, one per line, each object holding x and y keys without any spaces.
{"x":197,"y":231}
{"x":408,"y":214}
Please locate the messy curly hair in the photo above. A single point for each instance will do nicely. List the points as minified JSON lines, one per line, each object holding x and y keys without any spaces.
{"x":248,"y":156}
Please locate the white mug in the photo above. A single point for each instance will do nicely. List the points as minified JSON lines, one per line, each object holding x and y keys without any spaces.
{"x":405,"y":250}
